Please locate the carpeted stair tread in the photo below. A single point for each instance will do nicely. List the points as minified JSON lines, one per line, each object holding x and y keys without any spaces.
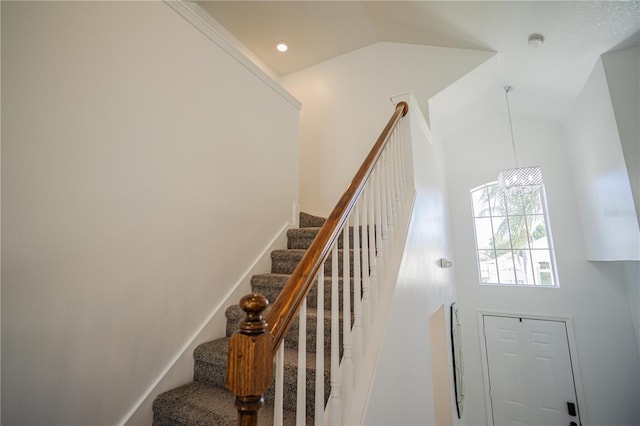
{"x":211,"y":366}
{"x":217,"y":350}
{"x":310,"y":221}
{"x":301,"y":238}
{"x":198,"y":404}
{"x":270,"y":286}
{"x":194,"y":404}
{"x":213,"y":350}
{"x":286,"y":261}
{"x":234,"y":314}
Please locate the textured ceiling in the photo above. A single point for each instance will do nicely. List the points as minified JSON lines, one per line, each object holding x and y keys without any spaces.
{"x":576,"y":33}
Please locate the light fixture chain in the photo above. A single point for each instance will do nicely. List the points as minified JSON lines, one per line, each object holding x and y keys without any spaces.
{"x":517,"y":179}
{"x":508,"y":89}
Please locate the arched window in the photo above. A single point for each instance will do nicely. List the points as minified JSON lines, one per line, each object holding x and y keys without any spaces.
{"x":513,"y":238}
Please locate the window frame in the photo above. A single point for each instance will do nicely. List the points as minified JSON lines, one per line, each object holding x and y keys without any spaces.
{"x":537,"y":280}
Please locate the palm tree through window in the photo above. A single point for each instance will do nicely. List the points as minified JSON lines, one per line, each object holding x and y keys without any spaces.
{"x":513,"y":238}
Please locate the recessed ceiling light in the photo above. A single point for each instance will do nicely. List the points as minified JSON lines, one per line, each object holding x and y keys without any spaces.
{"x":535,"y":40}
{"x":282,"y":46}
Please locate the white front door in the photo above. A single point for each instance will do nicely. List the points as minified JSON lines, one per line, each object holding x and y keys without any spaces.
{"x":530,"y":375}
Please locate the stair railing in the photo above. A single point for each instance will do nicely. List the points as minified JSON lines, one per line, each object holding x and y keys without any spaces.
{"x":366,"y":216}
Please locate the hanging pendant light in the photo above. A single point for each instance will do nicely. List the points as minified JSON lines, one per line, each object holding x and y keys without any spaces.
{"x":519,"y":178}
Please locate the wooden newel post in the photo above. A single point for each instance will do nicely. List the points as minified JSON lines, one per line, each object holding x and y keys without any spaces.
{"x":250,"y":364}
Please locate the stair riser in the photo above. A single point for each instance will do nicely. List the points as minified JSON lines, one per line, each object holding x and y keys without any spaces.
{"x":285,"y":262}
{"x":234,"y":315}
{"x":308,"y":221}
{"x":215,"y":374}
{"x":200,"y":404}
{"x":160,"y":420}
{"x":292,"y":338}
{"x":303,"y":237}
{"x":271,"y":291}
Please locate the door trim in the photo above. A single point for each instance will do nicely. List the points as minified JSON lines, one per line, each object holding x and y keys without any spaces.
{"x":573,"y":355}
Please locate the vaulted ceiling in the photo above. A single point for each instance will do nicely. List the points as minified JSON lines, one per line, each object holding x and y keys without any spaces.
{"x":576,"y":33}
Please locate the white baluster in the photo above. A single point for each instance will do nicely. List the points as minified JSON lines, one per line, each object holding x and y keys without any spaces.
{"x":396,"y":177}
{"x":319,"y":397}
{"x":366,"y":270}
{"x":398,"y":169}
{"x":382,"y":165}
{"x":373,"y":241}
{"x":389,"y":187}
{"x":380,"y":239}
{"x":378,"y":211}
{"x":357,"y":279}
{"x":336,"y":397}
{"x":407,"y":182}
{"x":389,"y":192}
{"x":402,"y":167}
{"x":347,"y":361}
{"x":301,"y":402}
{"x":279,"y":391}
{"x":395,"y":167}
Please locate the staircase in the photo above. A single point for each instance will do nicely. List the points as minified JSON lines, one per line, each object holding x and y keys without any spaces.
{"x":370,"y":220}
{"x":205,"y":401}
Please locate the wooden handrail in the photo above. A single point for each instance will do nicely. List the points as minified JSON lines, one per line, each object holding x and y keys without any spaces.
{"x":289,"y":300}
{"x":252,"y":348}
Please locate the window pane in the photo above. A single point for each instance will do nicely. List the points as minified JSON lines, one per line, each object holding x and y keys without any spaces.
{"x":484,"y":235}
{"x":524,"y":267}
{"x":496,"y":199}
{"x":505,"y":267}
{"x":514,"y":202}
{"x":487,"y":266}
{"x":501,"y":233}
{"x":532,"y":202}
{"x":519,"y":234}
{"x":537,"y":232}
{"x":512,"y":238}
{"x":480,"y":202}
{"x":542,"y":267}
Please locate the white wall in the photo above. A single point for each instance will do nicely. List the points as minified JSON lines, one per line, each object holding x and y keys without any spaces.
{"x":134,"y":196}
{"x":622,"y":69}
{"x":632,"y":280}
{"x":346,"y":104}
{"x":593,"y":295}
{"x":402,"y":393}
{"x":0,"y":203}
{"x":601,"y":181}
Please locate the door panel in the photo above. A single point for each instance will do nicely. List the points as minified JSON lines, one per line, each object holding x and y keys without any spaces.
{"x":530,"y":374}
